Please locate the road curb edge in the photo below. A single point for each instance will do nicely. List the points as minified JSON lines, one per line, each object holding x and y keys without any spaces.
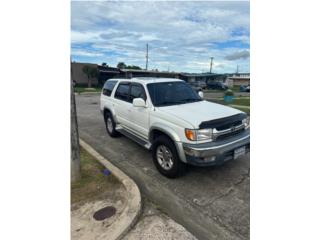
{"x":130,"y":214}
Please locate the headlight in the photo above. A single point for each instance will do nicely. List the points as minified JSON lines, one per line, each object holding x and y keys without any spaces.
{"x":198,"y":135}
{"x":246,"y":122}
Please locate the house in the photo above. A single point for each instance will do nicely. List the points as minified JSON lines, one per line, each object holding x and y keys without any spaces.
{"x":202,"y":77}
{"x":131,"y":73}
{"x":104,"y":73}
{"x":238,"y":79}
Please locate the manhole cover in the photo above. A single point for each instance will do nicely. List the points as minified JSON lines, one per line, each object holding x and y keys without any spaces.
{"x":104,"y":213}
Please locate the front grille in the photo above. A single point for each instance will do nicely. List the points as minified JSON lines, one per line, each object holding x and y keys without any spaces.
{"x":229,"y":125}
{"x":230,"y":134}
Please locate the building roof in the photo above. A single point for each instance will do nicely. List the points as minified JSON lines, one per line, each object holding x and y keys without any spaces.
{"x":146,"y":71}
{"x":200,"y":74}
{"x":145,"y":80}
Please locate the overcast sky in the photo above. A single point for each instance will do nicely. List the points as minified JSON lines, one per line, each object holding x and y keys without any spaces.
{"x":182,"y":36}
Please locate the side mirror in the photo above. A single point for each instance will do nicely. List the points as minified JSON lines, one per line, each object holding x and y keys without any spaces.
{"x":139,"y":102}
{"x":200,"y":94}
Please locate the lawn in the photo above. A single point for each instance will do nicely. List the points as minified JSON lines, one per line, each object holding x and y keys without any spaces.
{"x":93,"y":183}
{"x":85,"y":89}
{"x":241,"y":101}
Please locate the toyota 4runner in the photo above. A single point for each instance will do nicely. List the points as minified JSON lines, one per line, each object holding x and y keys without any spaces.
{"x":169,"y":118}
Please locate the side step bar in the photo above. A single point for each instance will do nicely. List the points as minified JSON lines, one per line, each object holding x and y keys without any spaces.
{"x":134,"y":137}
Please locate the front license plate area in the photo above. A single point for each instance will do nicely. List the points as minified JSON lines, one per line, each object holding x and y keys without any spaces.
{"x":239,"y":152}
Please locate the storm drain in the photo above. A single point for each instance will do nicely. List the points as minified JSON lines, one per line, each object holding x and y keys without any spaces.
{"x":104,"y":213}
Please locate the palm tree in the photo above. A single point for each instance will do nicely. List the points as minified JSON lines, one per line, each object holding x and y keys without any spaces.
{"x":91,"y":72}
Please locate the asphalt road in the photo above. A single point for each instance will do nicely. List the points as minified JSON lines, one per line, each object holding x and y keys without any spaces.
{"x":212,"y":203}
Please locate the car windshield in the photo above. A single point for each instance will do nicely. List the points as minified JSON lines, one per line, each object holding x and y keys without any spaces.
{"x":171,"y":93}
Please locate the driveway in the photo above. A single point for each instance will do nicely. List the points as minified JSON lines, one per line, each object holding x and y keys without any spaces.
{"x":212,"y":203}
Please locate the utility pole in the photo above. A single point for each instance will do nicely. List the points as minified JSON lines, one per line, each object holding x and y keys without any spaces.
{"x":237,"y":68}
{"x":147,"y":56}
{"x":211,"y":65}
{"x":75,"y":148}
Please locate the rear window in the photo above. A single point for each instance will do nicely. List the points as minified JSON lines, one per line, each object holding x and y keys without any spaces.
{"x":108,"y":87}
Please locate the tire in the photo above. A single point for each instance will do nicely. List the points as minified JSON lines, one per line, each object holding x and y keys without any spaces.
{"x":111,"y":130}
{"x":170,"y":169}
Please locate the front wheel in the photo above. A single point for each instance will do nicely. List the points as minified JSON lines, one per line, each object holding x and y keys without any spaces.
{"x":166,"y":159}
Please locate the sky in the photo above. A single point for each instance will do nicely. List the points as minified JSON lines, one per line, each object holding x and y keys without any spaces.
{"x":182,"y":36}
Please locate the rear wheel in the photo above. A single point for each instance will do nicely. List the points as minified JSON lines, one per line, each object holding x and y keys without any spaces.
{"x":110,"y":125}
{"x":166,"y":158}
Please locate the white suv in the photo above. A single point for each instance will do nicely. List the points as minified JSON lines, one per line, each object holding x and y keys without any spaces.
{"x":168,"y":117}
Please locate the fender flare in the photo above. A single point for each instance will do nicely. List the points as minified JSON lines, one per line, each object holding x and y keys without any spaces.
{"x":165,"y":129}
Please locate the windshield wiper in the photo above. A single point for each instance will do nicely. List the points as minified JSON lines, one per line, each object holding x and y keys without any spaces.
{"x":167,"y":103}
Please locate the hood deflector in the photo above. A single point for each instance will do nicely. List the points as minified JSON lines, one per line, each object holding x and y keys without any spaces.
{"x":224,"y":123}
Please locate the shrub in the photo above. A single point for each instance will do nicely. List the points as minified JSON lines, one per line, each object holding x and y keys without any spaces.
{"x":229,"y":92}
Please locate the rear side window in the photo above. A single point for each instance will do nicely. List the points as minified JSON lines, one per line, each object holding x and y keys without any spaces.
{"x":108,"y":87}
{"x":137,"y":91}
{"x":122,"y":92}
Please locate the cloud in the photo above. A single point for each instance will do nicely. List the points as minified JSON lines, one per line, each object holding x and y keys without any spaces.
{"x":181,"y":35}
{"x":238,"y":55}
{"x":86,"y":53}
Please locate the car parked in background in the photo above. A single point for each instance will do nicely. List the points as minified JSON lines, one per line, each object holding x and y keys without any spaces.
{"x":244,"y":88}
{"x":196,"y":86}
{"x":216,"y":85}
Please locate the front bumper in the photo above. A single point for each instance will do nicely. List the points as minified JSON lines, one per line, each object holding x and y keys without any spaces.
{"x":215,"y":153}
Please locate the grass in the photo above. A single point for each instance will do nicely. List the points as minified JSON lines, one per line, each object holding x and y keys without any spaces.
{"x":85,"y":89}
{"x":241,"y":101}
{"x":93,"y":183}
{"x":244,"y":101}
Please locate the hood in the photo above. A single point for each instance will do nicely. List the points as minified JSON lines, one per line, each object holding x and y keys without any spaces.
{"x":198,"y":112}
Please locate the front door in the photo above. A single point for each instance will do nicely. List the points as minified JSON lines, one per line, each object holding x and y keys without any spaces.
{"x":122,"y":104}
{"x":139,"y":115}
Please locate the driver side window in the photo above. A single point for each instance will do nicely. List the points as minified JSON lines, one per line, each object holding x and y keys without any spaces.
{"x":137,"y":91}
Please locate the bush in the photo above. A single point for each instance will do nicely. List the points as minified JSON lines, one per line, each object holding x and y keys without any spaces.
{"x":229,"y":92}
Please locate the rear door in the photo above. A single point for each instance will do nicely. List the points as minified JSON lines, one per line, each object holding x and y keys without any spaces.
{"x":106,"y":93}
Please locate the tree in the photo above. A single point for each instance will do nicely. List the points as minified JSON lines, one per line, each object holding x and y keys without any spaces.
{"x":121,"y":65}
{"x":104,"y":64}
{"x":133,"y":67}
{"x":91,"y":72}
{"x":75,"y":148}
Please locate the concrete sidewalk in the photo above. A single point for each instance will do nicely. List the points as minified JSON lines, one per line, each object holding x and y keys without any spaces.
{"x":154,"y":224}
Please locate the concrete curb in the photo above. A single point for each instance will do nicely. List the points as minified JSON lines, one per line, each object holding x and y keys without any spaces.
{"x":87,"y":93}
{"x":131,"y":212}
